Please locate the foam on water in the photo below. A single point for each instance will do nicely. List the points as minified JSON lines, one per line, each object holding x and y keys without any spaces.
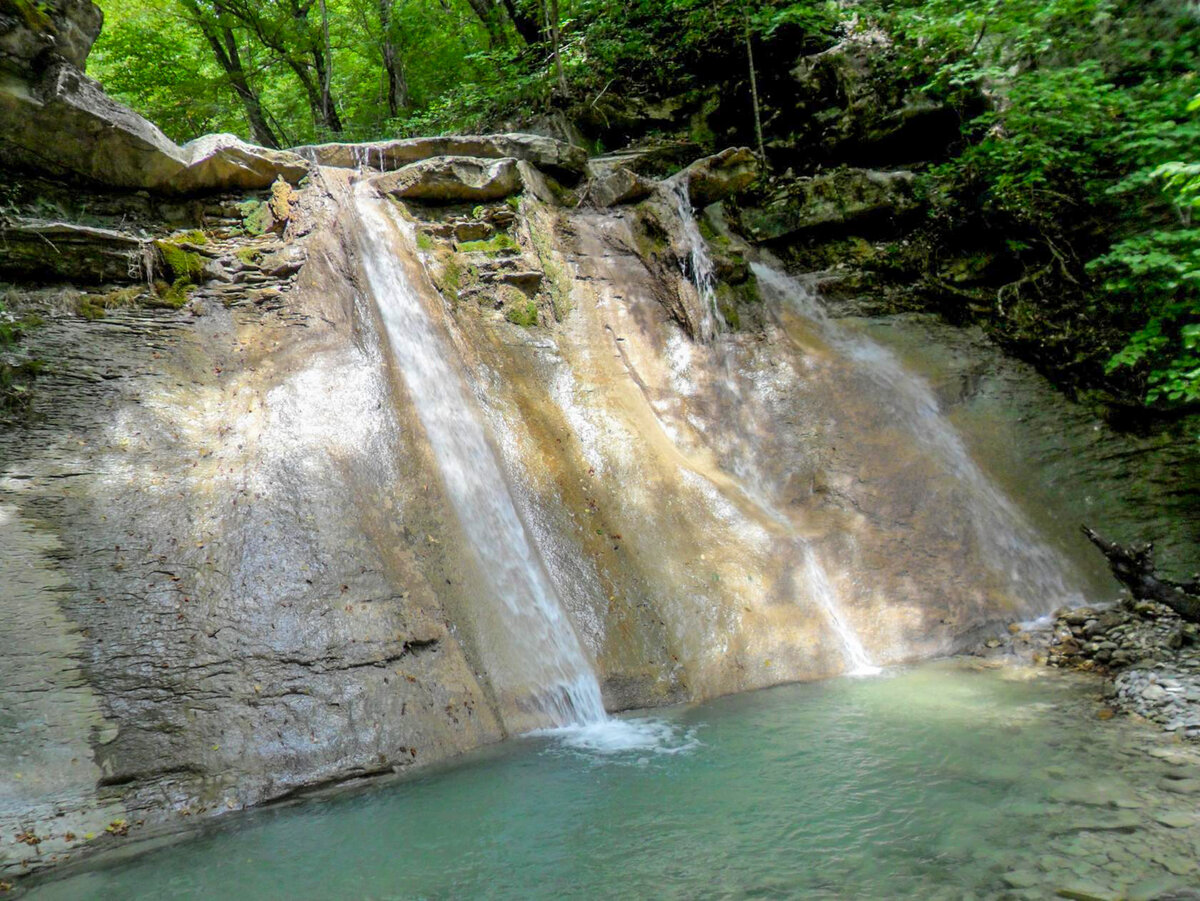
{"x":626,"y":740}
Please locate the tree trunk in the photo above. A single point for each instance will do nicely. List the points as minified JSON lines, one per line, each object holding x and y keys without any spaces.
{"x":300,"y":49}
{"x":758,"y":131}
{"x":527,"y":26}
{"x":1133,"y":567}
{"x":224,"y":46}
{"x":552,"y":15}
{"x":489,"y":15}
{"x":397,"y":94}
{"x":323,"y":58}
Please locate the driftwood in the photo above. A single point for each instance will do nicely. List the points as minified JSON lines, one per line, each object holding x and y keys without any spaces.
{"x":1133,"y":567}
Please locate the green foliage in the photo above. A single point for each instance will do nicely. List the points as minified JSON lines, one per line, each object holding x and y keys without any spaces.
{"x":525,"y":315}
{"x":16,"y":401}
{"x":10,"y":329}
{"x":463,"y":74}
{"x":1157,"y":274}
{"x":499,"y":243}
{"x":1084,"y":151}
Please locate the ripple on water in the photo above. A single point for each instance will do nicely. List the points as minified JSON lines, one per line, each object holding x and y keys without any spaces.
{"x":932,"y":782}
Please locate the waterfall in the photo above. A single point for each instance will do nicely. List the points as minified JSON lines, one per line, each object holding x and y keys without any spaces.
{"x":702,"y":274}
{"x":543,"y":665}
{"x":857,"y":661}
{"x":1009,"y":542}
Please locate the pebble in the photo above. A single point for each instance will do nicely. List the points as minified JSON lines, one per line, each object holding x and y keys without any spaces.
{"x":1152,"y":889}
{"x":1176,"y":819}
{"x":1087,"y":891}
{"x":1021,"y":879}
{"x":1181,"y":786}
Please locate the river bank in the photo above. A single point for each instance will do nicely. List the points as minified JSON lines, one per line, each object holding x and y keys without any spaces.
{"x":1148,"y":656}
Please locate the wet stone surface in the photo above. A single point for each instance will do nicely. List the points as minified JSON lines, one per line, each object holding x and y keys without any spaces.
{"x":1149,"y":656}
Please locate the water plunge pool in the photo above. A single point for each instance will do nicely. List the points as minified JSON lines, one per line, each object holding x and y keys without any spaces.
{"x":945,"y":780}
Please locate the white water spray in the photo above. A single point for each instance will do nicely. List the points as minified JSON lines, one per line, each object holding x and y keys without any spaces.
{"x":819,"y":589}
{"x":1010,"y":544}
{"x":703,"y":273}
{"x":550,"y":673}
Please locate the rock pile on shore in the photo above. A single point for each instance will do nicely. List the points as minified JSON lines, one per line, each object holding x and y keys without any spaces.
{"x":1151,"y":654}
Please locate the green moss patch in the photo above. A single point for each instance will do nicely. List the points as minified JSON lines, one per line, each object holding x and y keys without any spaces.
{"x":257,"y":218}
{"x":180,"y":263}
{"x":525,"y":315}
{"x":498,"y":243}
{"x":96,"y":306}
{"x":172,"y":296}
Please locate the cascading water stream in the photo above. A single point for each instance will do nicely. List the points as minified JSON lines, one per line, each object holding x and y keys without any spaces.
{"x":819,"y":589}
{"x":857,"y":661}
{"x":703,"y":273}
{"x":546,"y":667}
{"x":1009,"y":542}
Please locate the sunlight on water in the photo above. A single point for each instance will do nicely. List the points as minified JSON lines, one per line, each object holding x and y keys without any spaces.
{"x":931,"y":783}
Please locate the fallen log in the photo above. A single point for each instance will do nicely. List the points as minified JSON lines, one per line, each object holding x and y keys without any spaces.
{"x":1133,"y":567}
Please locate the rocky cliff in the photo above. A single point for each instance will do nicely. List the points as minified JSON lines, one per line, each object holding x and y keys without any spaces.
{"x":231,"y":570}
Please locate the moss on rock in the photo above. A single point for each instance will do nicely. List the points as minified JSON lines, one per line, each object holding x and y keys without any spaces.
{"x":524,"y":315}
{"x":180,"y":263}
{"x":497,"y":244}
{"x":257,"y":218}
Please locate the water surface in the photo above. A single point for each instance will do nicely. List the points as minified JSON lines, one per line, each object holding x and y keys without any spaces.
{"x":938,"y":781}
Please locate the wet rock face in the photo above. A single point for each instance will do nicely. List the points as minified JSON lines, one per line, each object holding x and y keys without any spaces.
{"x":77,"y":253}
{"x":618,"y":185}
{"x":720,"y":176}
{"x":232,"y":553}
{"x":846,"y":112}
{"x":861,"y":199}
{"x":450,"y":179}
{"x":557,"y":157}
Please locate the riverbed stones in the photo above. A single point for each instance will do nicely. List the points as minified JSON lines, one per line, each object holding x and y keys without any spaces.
{"x":1156,"y":889}
{"x":1151,"y":655}
{"x":1115,"y":821}
{"x":1021,"y":879}
{"x":1086,"y":890}
{"x":1182,"y":786}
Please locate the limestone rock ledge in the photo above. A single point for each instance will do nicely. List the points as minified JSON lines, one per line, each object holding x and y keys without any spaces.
{"x":55,"y":120}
